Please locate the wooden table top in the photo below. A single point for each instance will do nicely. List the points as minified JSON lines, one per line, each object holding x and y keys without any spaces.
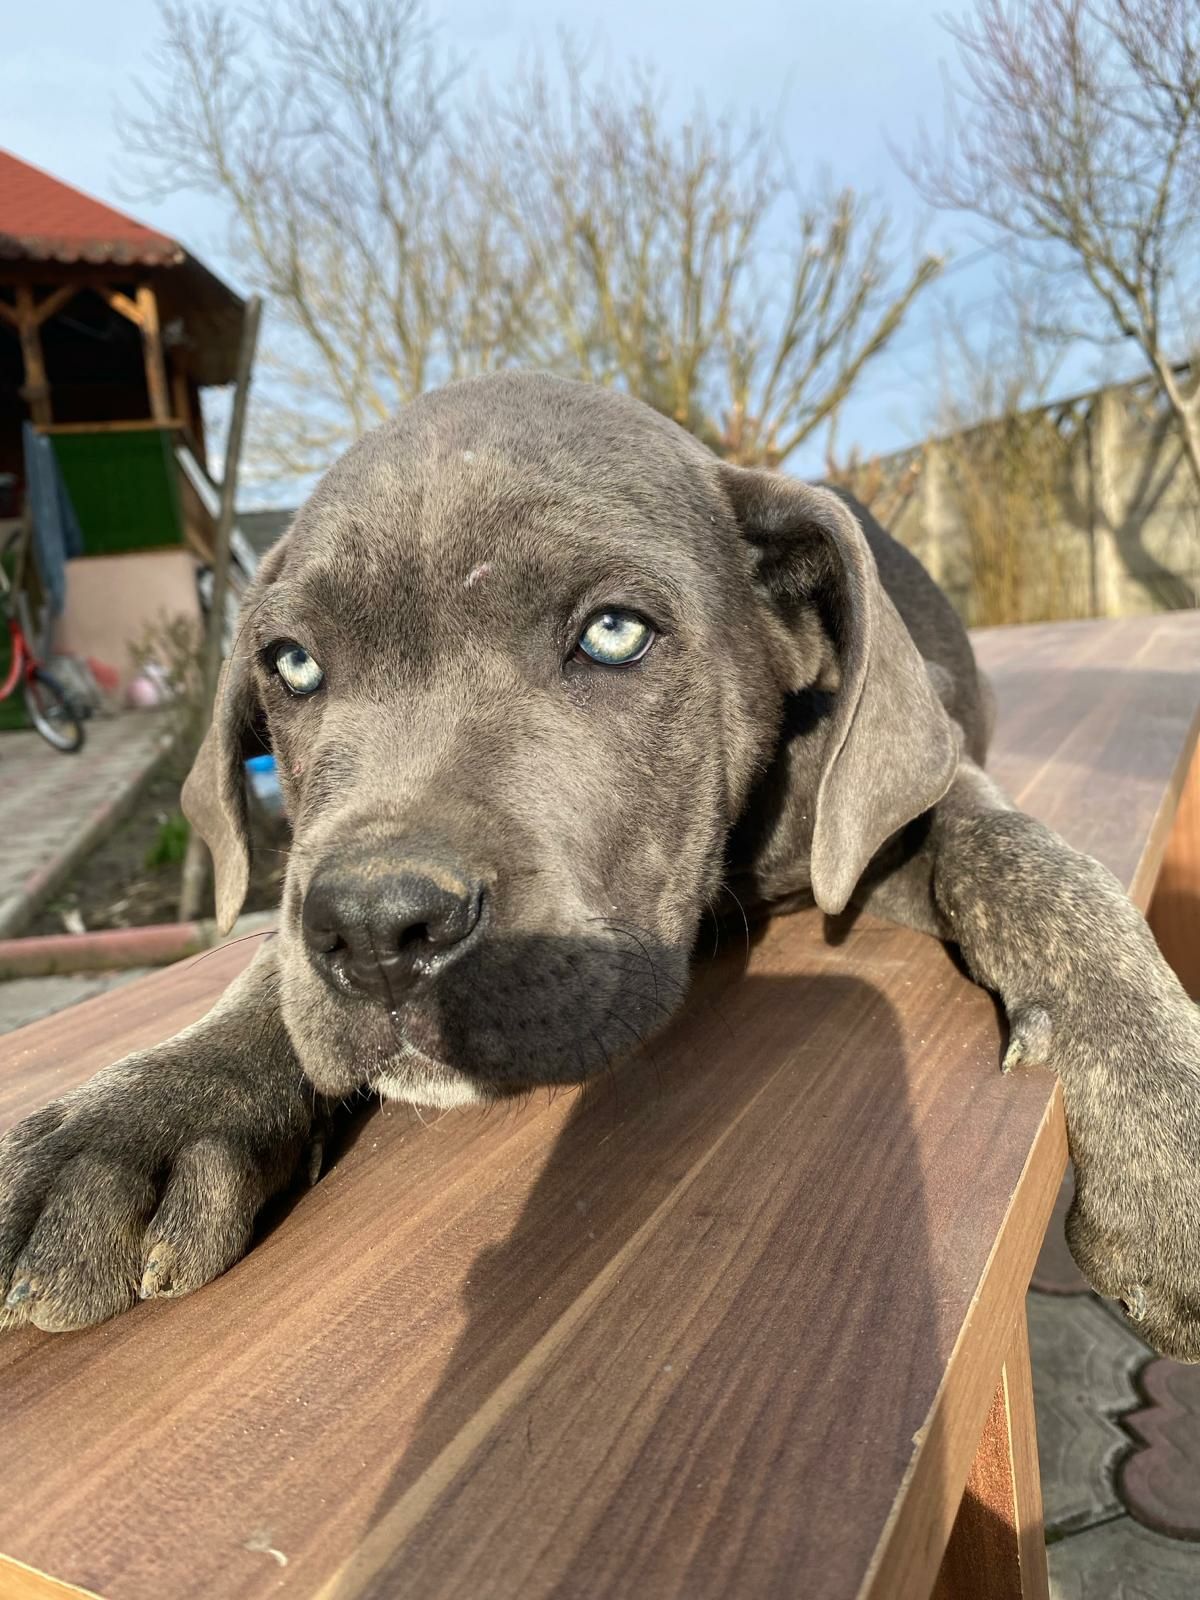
{"x":726,"y":1325}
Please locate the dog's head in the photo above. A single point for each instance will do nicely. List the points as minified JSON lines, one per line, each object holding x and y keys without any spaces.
{"x":526,"y":657}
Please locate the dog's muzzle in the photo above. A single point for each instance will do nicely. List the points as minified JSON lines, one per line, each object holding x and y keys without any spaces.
{"x":380,"y":926}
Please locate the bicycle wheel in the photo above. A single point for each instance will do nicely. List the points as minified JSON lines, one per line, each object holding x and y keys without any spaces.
{"x":51,"y":712}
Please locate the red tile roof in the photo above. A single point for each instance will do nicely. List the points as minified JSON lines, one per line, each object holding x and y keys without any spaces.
{"x":42,"y":219}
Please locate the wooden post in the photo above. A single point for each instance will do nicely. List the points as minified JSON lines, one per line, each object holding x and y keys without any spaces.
{"x":997,"y":1549}
{"x":37,"y":388}
{"x":1174,"y":912}
{"x":192,"y":889}
{"x":181,"y":398}
{"x":156,"y":371}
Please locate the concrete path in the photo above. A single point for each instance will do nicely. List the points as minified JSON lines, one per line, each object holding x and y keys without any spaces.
{"x":25,"y":1000}
{"x":54,"y":807}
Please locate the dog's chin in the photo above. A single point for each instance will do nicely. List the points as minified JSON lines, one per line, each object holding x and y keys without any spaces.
{"x":420,"y":1080}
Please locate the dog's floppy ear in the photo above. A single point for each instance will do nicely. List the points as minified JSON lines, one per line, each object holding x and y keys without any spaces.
{"x":891,"y":751}
{"x":214,"y":793}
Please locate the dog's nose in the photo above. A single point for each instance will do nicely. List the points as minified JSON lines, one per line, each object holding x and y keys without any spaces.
{"x":380,"y":931}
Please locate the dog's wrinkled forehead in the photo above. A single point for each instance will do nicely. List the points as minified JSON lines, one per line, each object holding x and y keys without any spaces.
{"x":492,"y":498}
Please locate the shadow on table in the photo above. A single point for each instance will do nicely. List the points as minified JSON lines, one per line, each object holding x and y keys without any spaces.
{"x":697,"y":1362}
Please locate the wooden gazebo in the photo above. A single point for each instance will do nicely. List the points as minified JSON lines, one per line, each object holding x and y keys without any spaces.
{"x":114,"y":321}
{"x":109,"y":329}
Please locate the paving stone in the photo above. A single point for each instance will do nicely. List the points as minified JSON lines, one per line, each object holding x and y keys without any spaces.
{"x":1056,"y":1272}
{"x":1121,"y":1560}
{"x":24,"y":1000}
{"x":52,"y":805}
{"x":1160,"y":1482}
{"x":1084,"y":1363}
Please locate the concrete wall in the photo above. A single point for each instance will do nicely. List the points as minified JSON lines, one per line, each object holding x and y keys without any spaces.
{"x":112,"y":601}
{"x":1120,"y":532}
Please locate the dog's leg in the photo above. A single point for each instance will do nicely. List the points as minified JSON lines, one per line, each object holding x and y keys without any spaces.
{"x":147,"y":1179}
{"x":1087,"y":992}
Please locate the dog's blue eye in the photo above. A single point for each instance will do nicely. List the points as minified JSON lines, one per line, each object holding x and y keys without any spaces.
{"x":616,"y":638}
{"x":297,"y":668}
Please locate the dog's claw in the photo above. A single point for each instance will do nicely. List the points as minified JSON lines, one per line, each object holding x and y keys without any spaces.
{"x":1134,"y":1301}
{"x":1029,"y":1038}
{"x":316,"y":1160}
{"x":152,"y":1283}
{"x":19,"y":1293}
{"x":160,"y":1272}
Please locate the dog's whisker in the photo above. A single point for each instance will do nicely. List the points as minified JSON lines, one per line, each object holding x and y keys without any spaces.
{"x":619,"y":927}
{"x":608,"y":1067}
{"x":725,"y":889}
{"x":694,"y":997}
{"x":716,"y":922}
{"x":642,"y":1045}
{"x":226,"y":944}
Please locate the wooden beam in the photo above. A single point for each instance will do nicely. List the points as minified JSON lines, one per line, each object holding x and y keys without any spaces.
{"x":120,"y":303}
{"x":36,"y":391}
{"x":135,"y":425}
{"x":156,"y":369}
{"x":55,"y":301}
{"x":9,"y":313}
{"x":191,"y":889}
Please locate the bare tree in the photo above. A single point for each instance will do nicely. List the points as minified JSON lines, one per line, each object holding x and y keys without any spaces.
{"x":1077,"y":137}
{"x":682,"y":260}
{"x":406,"y":232}
{"x":323,"y":127}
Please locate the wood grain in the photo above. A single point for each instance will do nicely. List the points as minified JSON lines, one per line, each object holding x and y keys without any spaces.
{"x":729,"y":1323}
{"x":1098,"y":722}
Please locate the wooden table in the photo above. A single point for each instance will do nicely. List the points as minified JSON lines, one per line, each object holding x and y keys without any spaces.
{"x":733,"y":1324}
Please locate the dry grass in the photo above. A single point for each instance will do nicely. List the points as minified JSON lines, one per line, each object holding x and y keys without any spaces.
{"x":1005,"y":479}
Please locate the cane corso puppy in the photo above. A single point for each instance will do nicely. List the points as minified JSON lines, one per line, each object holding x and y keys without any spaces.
{"x":542,"y":674}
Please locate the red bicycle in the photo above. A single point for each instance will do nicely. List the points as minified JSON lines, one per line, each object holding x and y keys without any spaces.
{"x":50,"y":707}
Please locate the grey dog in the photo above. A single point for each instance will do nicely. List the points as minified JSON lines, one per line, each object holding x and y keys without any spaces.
{"x":541,"y":674}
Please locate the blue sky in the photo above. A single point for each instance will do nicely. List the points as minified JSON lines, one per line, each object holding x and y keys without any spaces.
{"x":844,"y":79}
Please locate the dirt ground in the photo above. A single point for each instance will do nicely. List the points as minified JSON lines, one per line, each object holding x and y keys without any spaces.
{"x":117,"y":887}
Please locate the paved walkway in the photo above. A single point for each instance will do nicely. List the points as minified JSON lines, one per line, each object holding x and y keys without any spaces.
{"x":25,"y":1000}
{"x":1119,"y":1442}
{"x":53,"y":807}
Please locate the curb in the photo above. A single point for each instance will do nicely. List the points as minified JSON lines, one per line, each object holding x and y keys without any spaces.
{"x":19,"y":908}
{"x":112,"y":949}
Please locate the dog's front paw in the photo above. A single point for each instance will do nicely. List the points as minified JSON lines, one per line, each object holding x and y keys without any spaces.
{"x":1142,"y":1249}
{"x":144,"y":1182}
{"x":1134,"y":1122}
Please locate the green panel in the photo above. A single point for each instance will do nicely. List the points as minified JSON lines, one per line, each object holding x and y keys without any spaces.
{"x":124,"y":487}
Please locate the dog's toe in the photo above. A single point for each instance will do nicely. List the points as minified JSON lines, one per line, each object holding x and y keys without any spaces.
{"x":1029,"y":1035}
{"x":204,"y":1222}
{"x":80,"y":1262}
{"x":1169,"y":1321}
